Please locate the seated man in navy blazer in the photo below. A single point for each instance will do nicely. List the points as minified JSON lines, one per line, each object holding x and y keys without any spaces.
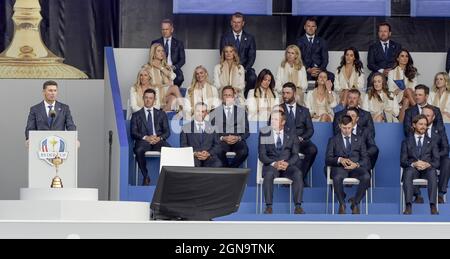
{"x":299,"y":124}
{"x":174,"y":50}
{"x":365,"y":121}
{"x":447,"y":67}
{"x":149,"y":130}
{"x":49,"y":114}
{"x":201,"y":136}
{"x":245,"y":44}
{"x":278,"y":151}
{"x":439,"y":137}
{"x":347,"y":156}
{"x":371,"y":146}
{"x":422,"y":93}
{"x":381,"y":56}
{"x":314,"y":51}
{"x":420,"y":158}
{"x":231,"y":123}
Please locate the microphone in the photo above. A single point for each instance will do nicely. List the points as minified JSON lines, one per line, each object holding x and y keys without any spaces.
{"x":52,"y":114}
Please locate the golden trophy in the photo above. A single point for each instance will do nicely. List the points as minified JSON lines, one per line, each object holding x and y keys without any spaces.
{"x":27,"y":56}
{"x":57,"y":162}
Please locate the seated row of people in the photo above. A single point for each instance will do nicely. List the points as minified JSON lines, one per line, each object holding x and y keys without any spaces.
{"x":289,"y":133}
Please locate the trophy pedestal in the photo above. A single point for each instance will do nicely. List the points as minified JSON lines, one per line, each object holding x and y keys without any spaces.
{"x":70,"y":194}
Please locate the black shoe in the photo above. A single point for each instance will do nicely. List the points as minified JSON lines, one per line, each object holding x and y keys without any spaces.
{"x":434,"y":210}
{"x":268,"y":210}
{"x":146,"y":181}
{"x":299,"y":211}
{"x":419,"y":200}
{"x":441,"y":199}
{"x":408,"y":210}
{"x":354,"y":207}
{"x":342,"y":209}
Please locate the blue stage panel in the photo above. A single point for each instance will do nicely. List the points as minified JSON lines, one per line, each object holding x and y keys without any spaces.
{"x":341,"y":7}
{"x":430,"y":8}
{"x":248,"y":7}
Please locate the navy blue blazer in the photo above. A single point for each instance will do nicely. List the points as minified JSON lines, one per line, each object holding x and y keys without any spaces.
{"x":376,"y":59}
{"x":247,"y":50}
{"x":268,"y":152}
{"x":303,"y":126}
{"x":38,"y":119}
{"x":413,"y":112}
{"x":240,"y":125}
{"x":439,"y":137}
{"x":336,"y":149}
{"x":365,"y":122}
{"x":410,"y":155}
{"x":138,"y":125}
{"x":447,"y":67}
{"x":315,"y":55}
{"x":177,"y":52}
{"x":206,"y":141}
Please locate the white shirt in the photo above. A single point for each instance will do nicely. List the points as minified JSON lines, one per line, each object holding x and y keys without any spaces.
{"x":422,"y":139}
{"x":228,"y":109}
{"x":355,"y":130}
{"x":310,"y":38}
{"x":429,"y":131}
{"x":169,"y":55}
{"x":349,"y":140}
{"x":200,"y":125}
{"x":294,"y":108}
{"x":236,"y":35}
{"x":421,"y":108}
{"x":48,"y":109}
{"x":153,"y":117}
{"x":276,"y":134}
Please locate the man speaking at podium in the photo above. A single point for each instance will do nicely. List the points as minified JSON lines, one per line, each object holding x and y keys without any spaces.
{"x":49,"y":114}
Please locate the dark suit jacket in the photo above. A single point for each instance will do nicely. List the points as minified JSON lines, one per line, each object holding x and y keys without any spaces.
{"x":409,"y":153}
{"x":439,"y":137}
{"x":336,"y":149}
{"x":365,"y":122}
{"x":176,"y":50}
{"x":191,"y":137}
{"x":377,"y":60}
{"x":240,"y":126}
{"x":247,"y":50}
{"x":315,"y":55}
{"x":447,"y":67}
{"x":413,"y":112}
{"x":139,"y":125}
{"x":38,"y":120}
{"x":268,"y":152}
{"x":303,"y":127}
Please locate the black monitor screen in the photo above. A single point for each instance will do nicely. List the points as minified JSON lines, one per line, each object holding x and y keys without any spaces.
{"x":189,"y":193}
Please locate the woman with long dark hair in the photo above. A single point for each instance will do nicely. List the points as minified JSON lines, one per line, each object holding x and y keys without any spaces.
{"x":263,"y":98}
{"x":349,"y":74}
{"x":382,"y":104}
{"x":402,"y":79}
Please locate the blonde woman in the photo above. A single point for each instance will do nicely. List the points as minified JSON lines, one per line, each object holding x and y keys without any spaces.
{"x":382,"y":104}
{"x":201,"y":91}
{"x":230,"y":73}
{"x":322,"y":99}
{"x":440,"y":95}
{"x":138,"y":89}
{"x":402,"y":80}
{"x":349,"y":75}
{"x":293,"y":71}
{"x":263,"y":98}
{"x":161,"y":80}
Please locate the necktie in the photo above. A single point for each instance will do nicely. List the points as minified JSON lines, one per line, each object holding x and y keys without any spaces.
{"x":49,"y":118}
{"x":348,"y":146}
{"x":419,"y":145}
{"x":386,"y":49}
{"x":149,"y":123}
{"x":291,"y":111}
{"x":166,"y":48}
{"x":279,"y":143}
{"x":229,"y":114}
{"x":238,"y":42}
{"x":200,"y":132}
{"x":311,"y":40}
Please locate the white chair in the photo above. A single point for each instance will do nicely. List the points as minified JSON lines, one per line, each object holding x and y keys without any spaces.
{"x":416,"y":182}
{"x":347,"y":181}
{"x":149,"y":154}
{"x":232,"y":155}
{"x":259,"y":188}
{"x":177,"y":157}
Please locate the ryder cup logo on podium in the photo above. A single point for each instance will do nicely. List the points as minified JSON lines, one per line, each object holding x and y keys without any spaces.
{"x":53,"y":152}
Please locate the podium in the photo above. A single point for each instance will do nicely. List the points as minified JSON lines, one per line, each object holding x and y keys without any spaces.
{"x":40,"y":202}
